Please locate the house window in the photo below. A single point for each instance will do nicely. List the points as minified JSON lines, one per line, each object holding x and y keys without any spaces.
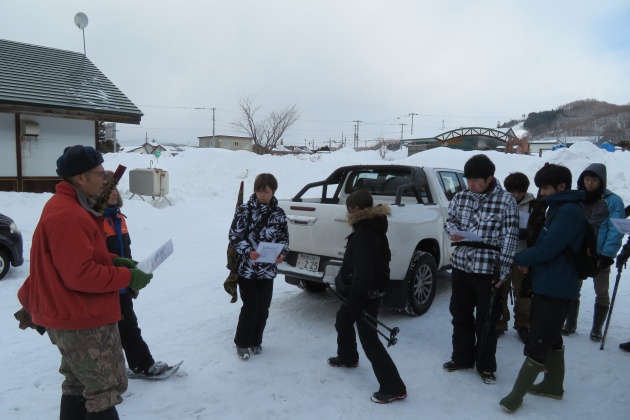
{"x":245,"y":145}
{"x":226,"y":144}
{"x":235,"y":144}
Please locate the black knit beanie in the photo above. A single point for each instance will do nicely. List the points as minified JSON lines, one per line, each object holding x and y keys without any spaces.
{"x":78,"y":159}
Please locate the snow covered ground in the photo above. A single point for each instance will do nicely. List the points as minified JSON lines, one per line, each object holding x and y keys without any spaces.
{"x":185,"y":314}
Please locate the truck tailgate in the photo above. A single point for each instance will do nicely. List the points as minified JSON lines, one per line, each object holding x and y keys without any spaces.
{"x":313,"y":224}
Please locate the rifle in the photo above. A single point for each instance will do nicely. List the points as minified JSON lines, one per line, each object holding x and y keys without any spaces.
{"x":101,"y":201}
{"x":535,"y":224}
{"x":393,"y":332}
{"x":232,"y":259}
{"x":487,"y":322}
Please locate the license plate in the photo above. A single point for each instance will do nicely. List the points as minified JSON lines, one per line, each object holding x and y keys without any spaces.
{"x":307,"y":262}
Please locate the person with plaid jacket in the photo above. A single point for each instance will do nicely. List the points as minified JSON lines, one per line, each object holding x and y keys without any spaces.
{"x":489,"y":211}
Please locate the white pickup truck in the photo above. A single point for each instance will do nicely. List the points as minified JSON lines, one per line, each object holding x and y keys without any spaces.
{"x":419,"y":198}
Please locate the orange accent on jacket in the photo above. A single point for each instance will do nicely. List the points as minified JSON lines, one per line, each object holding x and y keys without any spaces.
{"x":72,"y":283}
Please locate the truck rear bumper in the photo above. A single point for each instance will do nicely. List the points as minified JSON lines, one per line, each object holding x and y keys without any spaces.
{"x":293,"y":275}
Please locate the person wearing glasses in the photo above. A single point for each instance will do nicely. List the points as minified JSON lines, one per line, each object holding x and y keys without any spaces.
{"x":72,"y":289}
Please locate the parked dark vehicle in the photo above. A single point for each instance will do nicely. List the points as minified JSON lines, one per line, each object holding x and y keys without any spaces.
{"x":10,"y":245}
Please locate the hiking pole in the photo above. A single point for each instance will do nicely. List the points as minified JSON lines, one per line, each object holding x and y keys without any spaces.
{"x":612,"y":304}
{"x":391,"y":340}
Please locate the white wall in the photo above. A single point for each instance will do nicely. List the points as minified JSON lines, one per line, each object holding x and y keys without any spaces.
{"x":8,"y":162}
{"x":39,"y":157}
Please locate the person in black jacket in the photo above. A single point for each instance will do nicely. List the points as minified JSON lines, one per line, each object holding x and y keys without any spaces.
{"x":365,"y":273}
{"x":137,"y":352}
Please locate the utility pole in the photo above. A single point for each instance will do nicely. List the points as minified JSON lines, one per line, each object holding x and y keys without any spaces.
{"x":412,"y":114}
{"x":402,"y":127}
{"x":356,"y":134}
{"x":213,"y":126}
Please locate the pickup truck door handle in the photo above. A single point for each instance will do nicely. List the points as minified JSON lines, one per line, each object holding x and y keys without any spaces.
{"x":302,"y":220}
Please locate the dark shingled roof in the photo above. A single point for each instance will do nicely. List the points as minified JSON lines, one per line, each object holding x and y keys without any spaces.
{"x":48,"y":80}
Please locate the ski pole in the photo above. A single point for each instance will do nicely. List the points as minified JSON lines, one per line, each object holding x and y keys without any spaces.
{"x":612,"y":304}
{"x":391,"y":340}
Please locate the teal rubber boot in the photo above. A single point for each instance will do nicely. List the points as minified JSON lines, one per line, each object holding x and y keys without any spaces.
{"x":526,"y":377}
{"x":552,"y":384}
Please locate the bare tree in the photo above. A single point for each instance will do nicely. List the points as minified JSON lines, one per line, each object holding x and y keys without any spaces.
{"x":264,"y":132}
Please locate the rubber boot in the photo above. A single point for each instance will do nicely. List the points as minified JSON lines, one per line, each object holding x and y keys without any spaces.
{"x":570,"y":325}
{"x":526,"y":377}
{"x":72,"y":407}
{"x":109,"y":414}
{"x":599,"y":316}
{"x":551,"y":385}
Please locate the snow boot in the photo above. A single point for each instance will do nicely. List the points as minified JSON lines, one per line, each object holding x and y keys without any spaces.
{"x":72,"y":407}
{"x":570,"y":325}
{"x":625,"y":346}
{"x":242,"y":353}
{"x":526,"y":377}
{"x":551,"y":385}
{"x":380,"y":398}
{"x":336,"y":362}
{"x":599,"y":316}
{"x":109,"y":414}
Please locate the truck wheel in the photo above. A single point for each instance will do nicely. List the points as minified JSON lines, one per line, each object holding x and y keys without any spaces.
{"x":5,"y":262}
{"x":312,"y":286}
{"x":421,"y":277}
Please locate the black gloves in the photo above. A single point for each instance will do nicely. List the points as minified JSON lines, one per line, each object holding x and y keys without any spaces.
{"x":622,"y":258}
{"x":522,"y":234}
{"x":604,"y":262}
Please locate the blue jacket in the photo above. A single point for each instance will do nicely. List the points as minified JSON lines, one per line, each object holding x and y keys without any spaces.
{"x":552,"y":271}
{"x":608,"y":237}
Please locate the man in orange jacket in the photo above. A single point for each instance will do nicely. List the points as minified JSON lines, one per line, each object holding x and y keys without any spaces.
{"x":73,"y":285}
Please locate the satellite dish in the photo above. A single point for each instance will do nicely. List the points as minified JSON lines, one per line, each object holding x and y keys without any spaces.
{"x":81,"y":20}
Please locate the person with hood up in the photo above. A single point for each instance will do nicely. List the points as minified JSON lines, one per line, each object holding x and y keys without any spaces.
{"x":365,"y":273}
{"x":489,"y":211}
{"x":258,"y":220}
{"x":600,"y":206}
{"x":554,"y":282}
{"x":137,"y":353}
{"x":73,"y":285}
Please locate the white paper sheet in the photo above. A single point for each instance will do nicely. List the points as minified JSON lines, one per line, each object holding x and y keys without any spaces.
{"x":468,"y":236}
{"x":269,"y":252}
{"x":154,"y":260}
{"x":523,"y":217}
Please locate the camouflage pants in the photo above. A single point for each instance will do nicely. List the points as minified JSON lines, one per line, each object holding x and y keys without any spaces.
{"x":93,"y":365}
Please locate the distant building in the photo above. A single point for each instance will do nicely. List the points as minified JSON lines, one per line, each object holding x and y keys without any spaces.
{"x":50,"y":99}
{"x":226,"y":142}
{"x":466,"y":138}
{"x":536,"y":147}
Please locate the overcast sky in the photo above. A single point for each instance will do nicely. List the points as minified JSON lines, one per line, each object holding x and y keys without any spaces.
{"x":453,"y":63}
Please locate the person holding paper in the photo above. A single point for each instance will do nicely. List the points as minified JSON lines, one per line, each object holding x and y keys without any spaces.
{"x":257,"y":223}
{"x":139,"y":358}
{"x":600,"y":207}
{"x":517,"y":185}
{"x":491,"y":212}
{"x":73,"y":285}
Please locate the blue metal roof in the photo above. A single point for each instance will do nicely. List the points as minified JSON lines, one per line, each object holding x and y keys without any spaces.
{"x":33,"y":77}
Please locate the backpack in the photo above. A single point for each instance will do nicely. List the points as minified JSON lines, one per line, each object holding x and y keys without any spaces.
{"x":586,"y":257}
